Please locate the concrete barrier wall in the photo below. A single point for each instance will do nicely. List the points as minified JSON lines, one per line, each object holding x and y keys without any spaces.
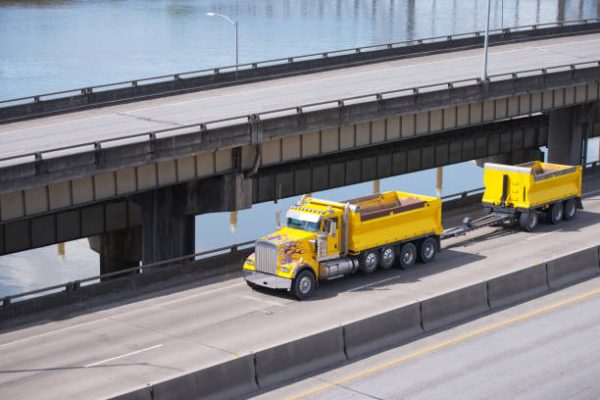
{"x":289,"y":361}
{"x":144,"y":393}
{"x":382,"y":330}
{"x":517,"y":286}
{"x":232,"y":379}
{"x":453,"y":307}
{"x":573,"y":268}
{"x":300,"y":357}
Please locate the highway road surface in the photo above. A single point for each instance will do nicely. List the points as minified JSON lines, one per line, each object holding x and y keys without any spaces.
{"x":119,"y":347}
{"x":109,"y":122}
{"x":544,"y":349}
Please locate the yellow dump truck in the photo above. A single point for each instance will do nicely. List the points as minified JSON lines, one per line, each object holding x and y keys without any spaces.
{"x":324,"y":240}
{"x":527,"y":190}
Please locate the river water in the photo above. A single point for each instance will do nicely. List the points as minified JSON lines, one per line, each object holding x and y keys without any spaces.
{"x":51,"y":45}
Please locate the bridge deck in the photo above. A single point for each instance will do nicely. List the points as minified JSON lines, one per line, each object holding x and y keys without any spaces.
{"x":124,"y":346}
{"x":109,"y":122}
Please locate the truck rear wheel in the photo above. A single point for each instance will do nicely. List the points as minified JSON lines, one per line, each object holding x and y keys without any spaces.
{"x":304,"y":285}
{"x":556,"y":212}
{"x":388,"y":254}
{"x":569,"y":209}
{"x":427,"y":249}
{"x":408,"y":255}
{"x":528,"y":220}
{"x":369,"y":261}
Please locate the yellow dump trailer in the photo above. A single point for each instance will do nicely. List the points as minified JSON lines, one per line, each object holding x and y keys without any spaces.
{"x":526,"y":190}
{"x":327,"y":240}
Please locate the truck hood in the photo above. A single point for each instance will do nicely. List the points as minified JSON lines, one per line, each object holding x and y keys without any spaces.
{"x":292,"y":244}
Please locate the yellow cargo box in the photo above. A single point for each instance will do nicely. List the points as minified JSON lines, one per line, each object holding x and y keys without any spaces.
{"x":531,"y":185}
{"x":392,"y":217}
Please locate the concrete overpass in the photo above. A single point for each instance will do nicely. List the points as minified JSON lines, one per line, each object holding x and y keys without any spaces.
{"x":92,"y":172}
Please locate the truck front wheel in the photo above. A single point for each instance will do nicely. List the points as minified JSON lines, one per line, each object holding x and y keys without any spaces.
{"x":528,"y":220}
{"x":304,"y":284}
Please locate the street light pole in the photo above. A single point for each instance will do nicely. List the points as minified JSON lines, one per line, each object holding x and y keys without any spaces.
{"x":484,"y":75}
{"x":235,"y":25}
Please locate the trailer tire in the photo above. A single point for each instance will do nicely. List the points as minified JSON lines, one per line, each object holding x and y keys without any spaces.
{"x":304,"y":284}
{"x":407,"y":257}
{"x":369,"y":261}
{"x":528,"y":220}
{"x":569,"y":209}
{"x":387,"y":257}
{"x":556,"y":213}
{"x":427,"y":249}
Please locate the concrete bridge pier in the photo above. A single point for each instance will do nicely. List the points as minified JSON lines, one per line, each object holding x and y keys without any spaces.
{"x":168,"y":221}
{"x":118,"y":249}
{"x":568,"y":132}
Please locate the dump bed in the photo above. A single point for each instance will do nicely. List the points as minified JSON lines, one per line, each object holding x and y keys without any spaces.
{"x":392,"y":217}
{"x":530,"y":185}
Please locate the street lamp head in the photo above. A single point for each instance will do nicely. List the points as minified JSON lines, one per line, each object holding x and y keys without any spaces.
{"x":210,"y":14}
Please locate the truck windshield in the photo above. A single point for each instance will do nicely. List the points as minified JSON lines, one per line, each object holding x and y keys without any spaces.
{"x":303,"y":225}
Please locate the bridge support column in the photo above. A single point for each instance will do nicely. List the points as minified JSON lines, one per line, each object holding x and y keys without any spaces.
{"x":118,"y":249}
{"x":566,"y":133}
{"x":167,"y":230}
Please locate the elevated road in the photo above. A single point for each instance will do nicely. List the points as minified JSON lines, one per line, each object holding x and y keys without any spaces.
{"x":546,"y":348}
{"x":125,"y":346}
{"x":79,"y":127}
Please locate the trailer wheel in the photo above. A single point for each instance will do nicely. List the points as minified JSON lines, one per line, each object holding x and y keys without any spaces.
{"x":570,"y":209}
{"x":408,"y":255}
{"x":556,"y":213}
{"x":528,"y":221}
{"x":427,"y":249}
{"x":369,"y":262}
{"x":304,"y":284}
{"x":388,"y":254}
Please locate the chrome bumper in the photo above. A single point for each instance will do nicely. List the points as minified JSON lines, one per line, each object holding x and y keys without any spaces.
{"x":267,"y":280}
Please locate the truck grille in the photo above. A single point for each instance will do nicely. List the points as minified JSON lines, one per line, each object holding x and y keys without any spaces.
{"x":266,"y":257}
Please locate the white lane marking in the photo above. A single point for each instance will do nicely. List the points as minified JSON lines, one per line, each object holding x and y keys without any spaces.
{"x":122,"y":356}
{"x":272,"y":302}
{"x":539,"y":236}
{"x":373,"y":283}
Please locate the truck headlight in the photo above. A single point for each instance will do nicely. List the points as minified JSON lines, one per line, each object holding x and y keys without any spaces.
{"x":285,"y":270}
{"x":249,"y":261}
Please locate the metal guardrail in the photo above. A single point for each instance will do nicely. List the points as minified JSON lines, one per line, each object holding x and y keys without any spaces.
{"x":74,"y":285}
{"x":87,"y":90}
{"x":202,"y":127}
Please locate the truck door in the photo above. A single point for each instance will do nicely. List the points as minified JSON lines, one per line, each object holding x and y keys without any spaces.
{"x":333,"y":236}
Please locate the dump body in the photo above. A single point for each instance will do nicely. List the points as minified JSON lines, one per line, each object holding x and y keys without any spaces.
{"x":392,"y":217}
{"x":328,"y":238}
{"x":529,"y":186}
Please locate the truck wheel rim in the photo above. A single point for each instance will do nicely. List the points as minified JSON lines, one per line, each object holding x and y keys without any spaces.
{"x":371,"y":261}
{"x":570,"y":209}
{"x":388,"y":256}
{"x":428,"y":250}
{"x":557,"y":213}
{"x":532,"y":220}
{"x":407,"y":257}
{"x":304,"y":285}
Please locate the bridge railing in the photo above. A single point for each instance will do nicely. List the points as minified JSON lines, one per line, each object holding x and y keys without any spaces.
{"x":282,"y":61}
{"x":202,"y":127}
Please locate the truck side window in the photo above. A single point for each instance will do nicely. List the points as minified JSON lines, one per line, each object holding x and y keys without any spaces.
{"x":332,"y":227}
{"x":326,"y":225}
